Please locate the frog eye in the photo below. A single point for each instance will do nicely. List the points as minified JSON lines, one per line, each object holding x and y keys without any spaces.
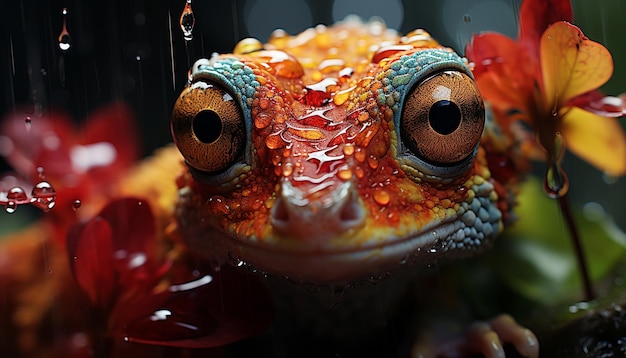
{"x":208,"y":127}
{"x":443,"y":118}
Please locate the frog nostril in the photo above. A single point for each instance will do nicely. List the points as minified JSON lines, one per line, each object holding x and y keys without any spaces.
{"x":352,"y":214}
{"x":299,"y":219}
{"x":280,"y":213}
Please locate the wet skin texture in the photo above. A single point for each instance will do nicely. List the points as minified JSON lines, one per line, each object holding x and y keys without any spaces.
{"x":335,"y":154}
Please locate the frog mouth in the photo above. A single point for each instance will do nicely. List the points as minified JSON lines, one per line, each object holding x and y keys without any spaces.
{"x":342,"y":265}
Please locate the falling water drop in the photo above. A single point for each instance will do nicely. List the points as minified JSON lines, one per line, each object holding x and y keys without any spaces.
{"x":555,"y":182}
{"x":28,"y":123}
{"x":65,"y":40}
{"x":10,"y":207}
{"x":187,"y":21}
{"x":76,"y":204}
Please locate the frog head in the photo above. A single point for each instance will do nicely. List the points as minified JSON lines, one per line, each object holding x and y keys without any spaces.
{"x":330,"y":168}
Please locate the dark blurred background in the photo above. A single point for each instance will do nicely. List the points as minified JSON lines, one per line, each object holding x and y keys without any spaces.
{"x":133,"y":50}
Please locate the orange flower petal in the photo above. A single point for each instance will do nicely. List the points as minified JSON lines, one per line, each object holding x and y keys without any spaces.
{"x":598,"y":140}
{"x":571,"y":63}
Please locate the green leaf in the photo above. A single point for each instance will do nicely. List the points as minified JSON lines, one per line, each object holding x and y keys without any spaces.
{"x":535,"y":256}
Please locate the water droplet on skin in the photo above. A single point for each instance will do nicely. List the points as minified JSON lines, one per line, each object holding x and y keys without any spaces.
{"x":331,"y":65}
{"x":287,"y":169}
{"x":437,"y":246}
{"x":247,"y":45}
{"x":359,"y":172}
{"x":187,"y":21}
{"x":281,"y":63}
{"x":342,"y":96}
{"x":345,"y":174}
{"x":65,"y":40}
{"x":348,"y":149}
{"x":382,"y":197}
{"x":360,"y":155}
{"x":44,"y":196}
{"x":372,"y":161}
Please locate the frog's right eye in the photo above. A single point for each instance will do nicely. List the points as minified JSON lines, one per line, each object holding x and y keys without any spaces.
{"x":208,"y":127}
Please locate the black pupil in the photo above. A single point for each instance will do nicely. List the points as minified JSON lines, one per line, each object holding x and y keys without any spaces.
{"x":444,"y":117}
{"x":207,"y":126}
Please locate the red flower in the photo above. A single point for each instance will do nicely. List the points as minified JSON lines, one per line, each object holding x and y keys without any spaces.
{"x":114,"y":259}
{"x":548,"y":78}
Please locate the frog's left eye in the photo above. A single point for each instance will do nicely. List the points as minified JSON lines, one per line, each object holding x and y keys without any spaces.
{"x":208,"y":127}
{"x":443,"y":118}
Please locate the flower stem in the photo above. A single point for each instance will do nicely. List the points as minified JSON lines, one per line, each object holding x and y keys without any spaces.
{"x":588,"y":292}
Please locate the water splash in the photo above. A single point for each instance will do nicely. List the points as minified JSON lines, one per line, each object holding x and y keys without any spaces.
{"x":187,"y":21}
{"x":65,"y":40}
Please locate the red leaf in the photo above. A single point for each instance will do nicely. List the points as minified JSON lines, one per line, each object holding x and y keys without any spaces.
{"x":114,"y":250}
{"x":90,"y":249}
{"x":113,"y":263}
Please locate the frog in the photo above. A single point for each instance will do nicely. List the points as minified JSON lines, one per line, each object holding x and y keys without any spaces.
{"x":340,"y":156}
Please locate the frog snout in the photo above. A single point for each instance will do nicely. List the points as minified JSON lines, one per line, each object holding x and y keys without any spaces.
{"x":320,"y":215}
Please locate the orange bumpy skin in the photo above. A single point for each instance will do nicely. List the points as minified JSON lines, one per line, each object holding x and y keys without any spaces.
{"x":335,"y":154}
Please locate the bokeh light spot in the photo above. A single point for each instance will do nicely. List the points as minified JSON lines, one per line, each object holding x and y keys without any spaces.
{"x":264,"y":16}
{"x":391,"y":12}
